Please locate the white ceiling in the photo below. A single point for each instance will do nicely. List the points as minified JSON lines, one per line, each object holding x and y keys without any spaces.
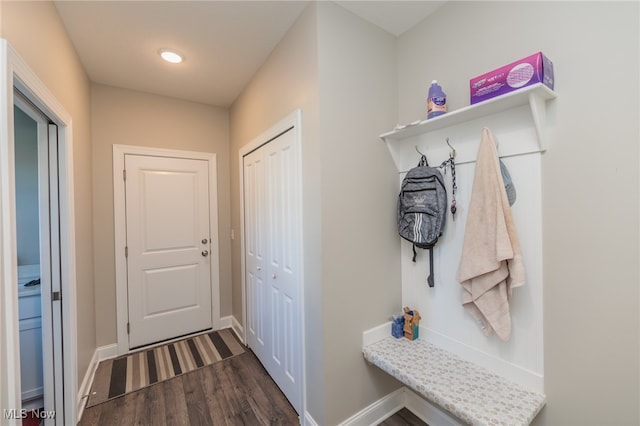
{"x":223,"y":42}
{"x":394,"y":16}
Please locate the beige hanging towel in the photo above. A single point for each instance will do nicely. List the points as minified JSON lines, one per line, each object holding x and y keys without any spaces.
{"x":491,"y":262}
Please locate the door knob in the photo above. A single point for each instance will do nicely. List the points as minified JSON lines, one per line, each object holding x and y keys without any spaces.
{"x":205,"y":241}
{"x":274,"y":276}
{"x":205,"y":253}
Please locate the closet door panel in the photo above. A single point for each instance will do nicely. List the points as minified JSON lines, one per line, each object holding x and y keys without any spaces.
{"x":272,"y":223}
{"x":255,"y":240}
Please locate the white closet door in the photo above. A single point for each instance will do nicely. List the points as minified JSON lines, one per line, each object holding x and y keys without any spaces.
{"x":255,"y":246}
{"x":273,"y":263}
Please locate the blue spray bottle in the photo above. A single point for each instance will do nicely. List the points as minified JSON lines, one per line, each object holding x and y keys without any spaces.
{"x":437,"y":100}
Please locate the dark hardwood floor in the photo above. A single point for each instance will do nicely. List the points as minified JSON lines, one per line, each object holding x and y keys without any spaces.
{"x":237,"y":391}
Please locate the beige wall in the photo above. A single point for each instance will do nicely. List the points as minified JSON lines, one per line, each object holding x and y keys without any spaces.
{"x":590,"y":179}
{"x":127,"y":117}
{"x":360,"y":245}
{"x":341,"y":71}
{"x":287,"y":81}
{"x":35,"y":31}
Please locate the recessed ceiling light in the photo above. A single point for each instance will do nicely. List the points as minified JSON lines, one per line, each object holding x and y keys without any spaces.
{"x":170,"y":56}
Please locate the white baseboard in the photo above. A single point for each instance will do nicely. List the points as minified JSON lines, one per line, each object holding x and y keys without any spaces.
{"x":100,"y":354}
{"x":225,"y":322}
{"x":32,"y":393}
{"x":428,"y":412}
{"x":307,"y":420}
{"x":238,"y":329}
{"x":380,"y":410}
{"x":33,"y":404}
{"x":85,"y":386}
{"x":376,"y":334}
{"x":107,"y":352}
{"x":390,"y":404}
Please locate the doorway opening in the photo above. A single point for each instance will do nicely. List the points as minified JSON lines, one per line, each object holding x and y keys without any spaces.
{"x":166,"y":239}
{"x":49,"y":210}
{"x":272,"y":257}
{"x":38,"y":258}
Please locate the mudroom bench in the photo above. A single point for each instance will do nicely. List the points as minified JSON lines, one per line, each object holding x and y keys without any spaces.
{"x":469,"y":392}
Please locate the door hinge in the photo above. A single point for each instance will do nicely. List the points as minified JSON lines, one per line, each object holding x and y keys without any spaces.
{"x":124,"y":175}
{"x":126,"y":251}
{"x":128,"y":328}
{"x":55,"y":296}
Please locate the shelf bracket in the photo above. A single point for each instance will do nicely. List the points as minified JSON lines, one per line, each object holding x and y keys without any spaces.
{"x":538,"y":113}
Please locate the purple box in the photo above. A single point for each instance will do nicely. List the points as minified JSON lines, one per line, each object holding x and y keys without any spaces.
{"x":533,"y":69}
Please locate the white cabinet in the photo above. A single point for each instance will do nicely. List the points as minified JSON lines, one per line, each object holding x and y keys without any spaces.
{"x":29,"y":311}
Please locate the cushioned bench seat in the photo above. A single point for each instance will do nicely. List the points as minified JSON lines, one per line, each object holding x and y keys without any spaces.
{"x":466,"y":390}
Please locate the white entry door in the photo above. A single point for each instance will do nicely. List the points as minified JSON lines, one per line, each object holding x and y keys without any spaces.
{"x":273,"y":276}
{"x":168,"y":247}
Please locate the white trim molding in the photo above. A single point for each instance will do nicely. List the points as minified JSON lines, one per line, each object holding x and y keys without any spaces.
{"x":379,"y":411}
{"x":376,"y":334}
{"x":85,"y":386}
{"x":401,"y":398}
{"x":102,"y":353}
{"x":15,"y":73}
{"x":225,"y":322}
{"x":238,"y":329}
{"x":428,"y":412}
{"x":308,"y":420}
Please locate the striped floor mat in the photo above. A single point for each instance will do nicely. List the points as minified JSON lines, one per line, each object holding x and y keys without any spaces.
{"x":119,"y":376}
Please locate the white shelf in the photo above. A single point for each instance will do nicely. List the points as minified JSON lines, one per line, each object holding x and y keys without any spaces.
{"x":535,"y":96}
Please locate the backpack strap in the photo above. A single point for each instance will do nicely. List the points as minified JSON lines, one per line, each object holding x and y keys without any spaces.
{"x":452,"y":165}
{"x":430,"y":277}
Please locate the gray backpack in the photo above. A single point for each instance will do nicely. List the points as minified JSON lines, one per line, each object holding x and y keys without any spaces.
{"x":422,"y":209}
